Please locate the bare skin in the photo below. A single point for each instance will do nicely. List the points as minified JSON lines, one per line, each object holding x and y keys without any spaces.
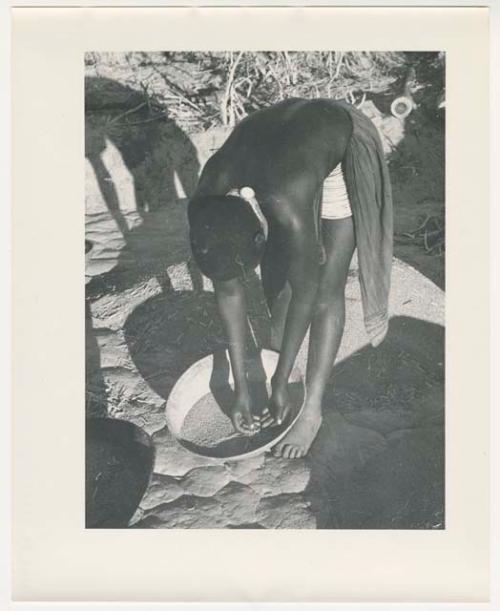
{"x":302,"y":274}
{"x":326,"y":331}
{"x":284,"y":153}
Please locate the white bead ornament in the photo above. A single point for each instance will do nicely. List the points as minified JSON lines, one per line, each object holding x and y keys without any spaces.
{"x":247,"y":193}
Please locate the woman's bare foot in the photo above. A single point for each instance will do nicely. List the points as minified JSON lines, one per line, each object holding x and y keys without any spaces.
{"x":298,"y":441}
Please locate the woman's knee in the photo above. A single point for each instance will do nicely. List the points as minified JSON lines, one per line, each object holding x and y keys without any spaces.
{"x":330,"y":297}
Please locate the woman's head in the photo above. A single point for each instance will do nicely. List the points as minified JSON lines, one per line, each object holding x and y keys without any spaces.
{"x":227,"y":237}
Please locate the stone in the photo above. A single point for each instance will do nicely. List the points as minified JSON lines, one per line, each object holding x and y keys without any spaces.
{"x":113,"y":350}
{"x":162,"y":489}
{"x":338,"y":450}
{"x":280,"y":476}
{"x":390,"y":128}
{"x":285,"y":511}
{"x":383,"y":421}
{"x":112,"y":310}
{"x":180,"y":278}
{"x":238,"y":504}
{"x":431,"y":406}
{"x":340,"y":446}
{"x":137,"y":517}
{"x":173,"y":459}
{"x":424,"y":410}
{"x":129,"y":397}
{"x":393,"y":132}
{"x":235,"y":505}
{"x":185,"y":512}
{"x":107,"y":243}
{"x":205,"y":481}
{"x":401,"y":487}
{"x":243,"y":471}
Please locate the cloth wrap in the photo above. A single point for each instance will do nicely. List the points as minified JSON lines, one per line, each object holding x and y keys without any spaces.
{"x":369,"y":188}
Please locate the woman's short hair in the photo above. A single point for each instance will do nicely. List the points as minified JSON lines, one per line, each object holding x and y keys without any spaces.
{"x":227,"y":239}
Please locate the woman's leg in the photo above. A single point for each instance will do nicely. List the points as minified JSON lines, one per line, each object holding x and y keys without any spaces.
{"x":274,"y":269}
{"x":328,"y":322}
{"x":326,"y":331}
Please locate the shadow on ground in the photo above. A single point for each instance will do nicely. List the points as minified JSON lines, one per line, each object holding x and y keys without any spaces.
{"x":141,"y":240}
{"x":118,"y":468}
{"x":417,"y":168}
{"x":378,"y":460}
{"x":127,"y":133}
{"x":169,"y":332}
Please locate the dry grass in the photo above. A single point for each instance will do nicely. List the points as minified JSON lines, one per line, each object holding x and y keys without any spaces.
{"x":430,"y":234}
{"x":200,"y":90}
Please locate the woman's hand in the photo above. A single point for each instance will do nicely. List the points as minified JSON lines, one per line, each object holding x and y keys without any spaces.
{"x":241,"y":415}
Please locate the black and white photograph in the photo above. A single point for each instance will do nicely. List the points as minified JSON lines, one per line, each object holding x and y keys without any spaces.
{"x":265,"y":289}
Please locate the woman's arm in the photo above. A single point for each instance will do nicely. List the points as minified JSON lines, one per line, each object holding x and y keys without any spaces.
{"x":231,"y":301}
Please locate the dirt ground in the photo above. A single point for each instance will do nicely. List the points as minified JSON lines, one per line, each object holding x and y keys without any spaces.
{"x":378,"y":461}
